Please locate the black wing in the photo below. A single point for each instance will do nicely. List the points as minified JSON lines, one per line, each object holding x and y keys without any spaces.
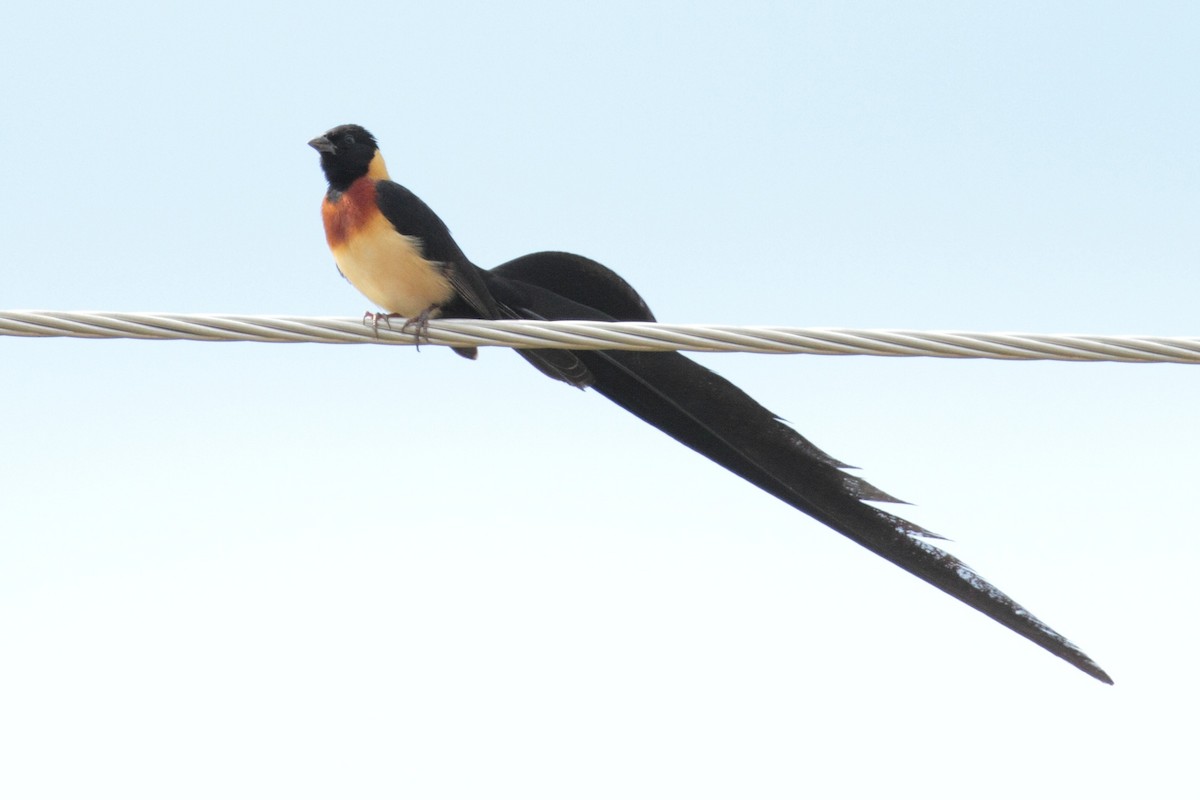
{"x":411,"y":216}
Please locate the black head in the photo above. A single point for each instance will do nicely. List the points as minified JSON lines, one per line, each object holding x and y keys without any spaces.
{"x":346,"y":153}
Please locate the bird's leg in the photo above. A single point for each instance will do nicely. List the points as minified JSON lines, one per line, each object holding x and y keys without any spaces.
{"x":372,"y":319}
{"x":418,"y":326}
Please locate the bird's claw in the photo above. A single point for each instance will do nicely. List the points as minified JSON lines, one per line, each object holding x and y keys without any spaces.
{"x":373,"y":319}
{"x":417,"y":327}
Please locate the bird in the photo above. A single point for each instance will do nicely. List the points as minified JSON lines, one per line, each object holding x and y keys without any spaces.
{"x":399,"y":253}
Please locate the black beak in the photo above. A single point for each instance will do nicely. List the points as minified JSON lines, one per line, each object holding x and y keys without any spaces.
{"x":323,"y":145}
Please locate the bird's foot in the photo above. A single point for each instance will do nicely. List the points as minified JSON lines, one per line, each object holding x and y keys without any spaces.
{"x":373,"y":319}
{"x":418,"y":326}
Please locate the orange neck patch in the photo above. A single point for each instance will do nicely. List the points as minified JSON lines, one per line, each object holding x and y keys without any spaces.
{"x":347,"y":213}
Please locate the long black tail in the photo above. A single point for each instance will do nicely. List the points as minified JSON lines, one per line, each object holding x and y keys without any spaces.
{"x":702,"y":410}
{"x":716,"y":419}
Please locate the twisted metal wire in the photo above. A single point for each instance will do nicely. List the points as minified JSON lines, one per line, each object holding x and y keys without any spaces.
{"x":603,"y":336}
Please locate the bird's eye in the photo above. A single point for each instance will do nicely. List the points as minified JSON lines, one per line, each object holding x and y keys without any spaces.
{"x":349,"y":139}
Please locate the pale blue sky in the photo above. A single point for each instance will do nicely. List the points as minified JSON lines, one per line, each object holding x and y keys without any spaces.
{"x":313,"y":571}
